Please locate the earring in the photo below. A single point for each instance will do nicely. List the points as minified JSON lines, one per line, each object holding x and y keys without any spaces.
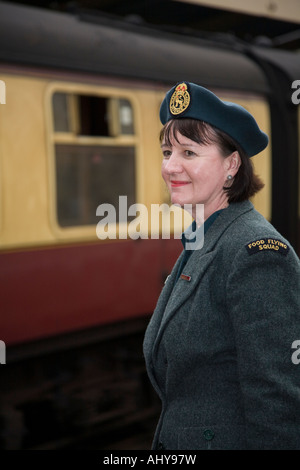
{"x":229,"y":177}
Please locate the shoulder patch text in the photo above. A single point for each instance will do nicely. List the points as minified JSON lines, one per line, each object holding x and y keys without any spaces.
{"x":267,"y":244}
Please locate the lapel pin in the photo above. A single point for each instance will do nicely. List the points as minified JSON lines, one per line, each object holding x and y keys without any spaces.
{"x":185,"y":277}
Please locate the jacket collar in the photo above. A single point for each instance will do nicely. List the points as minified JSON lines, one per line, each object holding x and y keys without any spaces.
{"x":216,"y":230}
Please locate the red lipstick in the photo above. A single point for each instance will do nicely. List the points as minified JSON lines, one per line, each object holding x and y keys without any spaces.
{"x":177,"y":184}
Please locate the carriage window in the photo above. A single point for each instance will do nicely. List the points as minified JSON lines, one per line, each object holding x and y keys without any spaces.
{"x":60,"y":113}
{"x":94,"y":155}
{"x":88,"y":115}
{"x":89,"y":175}
{"x":125,"y":117}
{"x":94,"y":115}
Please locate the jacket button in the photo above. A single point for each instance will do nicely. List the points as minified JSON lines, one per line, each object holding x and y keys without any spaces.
{"x":208,"y":434}
{"x":161,"y":446}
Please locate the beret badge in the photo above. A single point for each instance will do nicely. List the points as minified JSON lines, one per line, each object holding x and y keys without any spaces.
{"x":180,"y":99}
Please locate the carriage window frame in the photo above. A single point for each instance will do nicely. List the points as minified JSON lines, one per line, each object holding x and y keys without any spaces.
{"x":115,"y":139}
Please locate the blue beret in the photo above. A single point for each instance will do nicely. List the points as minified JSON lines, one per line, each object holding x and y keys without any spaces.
{"x":188,"y":100}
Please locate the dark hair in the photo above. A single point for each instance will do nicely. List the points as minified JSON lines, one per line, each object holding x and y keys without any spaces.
{"x":245,"y":183}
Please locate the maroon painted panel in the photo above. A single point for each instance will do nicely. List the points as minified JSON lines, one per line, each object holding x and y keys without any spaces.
{"x":50,"y":291}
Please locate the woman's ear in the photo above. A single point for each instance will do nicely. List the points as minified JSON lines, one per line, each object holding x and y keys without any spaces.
{"x":233,"y":162}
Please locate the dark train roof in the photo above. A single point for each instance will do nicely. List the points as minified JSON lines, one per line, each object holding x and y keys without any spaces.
{"x":99,"y":45}
{"x":286,"y":61}
{"x":41,"y":37}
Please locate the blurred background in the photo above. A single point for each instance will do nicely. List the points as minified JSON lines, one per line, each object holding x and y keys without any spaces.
{"x":80,"y":89}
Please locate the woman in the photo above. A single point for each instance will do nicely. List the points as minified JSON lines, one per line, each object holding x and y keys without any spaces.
{"x":218,"y":347}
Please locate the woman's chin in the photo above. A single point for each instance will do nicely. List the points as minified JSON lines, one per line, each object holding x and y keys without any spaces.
{"x":176,"y":201}
{"x":179,"y":201}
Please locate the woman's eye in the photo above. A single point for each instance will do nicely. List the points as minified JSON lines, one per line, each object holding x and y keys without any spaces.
{"x":189,"y":153}
{"x":166,"y":153}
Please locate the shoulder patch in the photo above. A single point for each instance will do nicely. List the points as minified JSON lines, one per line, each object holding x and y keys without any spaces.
{"x":267,"y":244}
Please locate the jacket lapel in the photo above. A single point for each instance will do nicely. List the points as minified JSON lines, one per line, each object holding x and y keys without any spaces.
{"x":156,"y":319}
{"x":182,"y":290}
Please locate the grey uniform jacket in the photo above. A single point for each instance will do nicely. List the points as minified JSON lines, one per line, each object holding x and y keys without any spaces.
{"x":220,"y":346}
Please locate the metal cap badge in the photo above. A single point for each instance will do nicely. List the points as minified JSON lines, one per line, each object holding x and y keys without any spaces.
{"x":180,"y":99}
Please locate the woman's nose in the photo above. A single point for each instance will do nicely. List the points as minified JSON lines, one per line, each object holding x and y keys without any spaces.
{"x":173,"y":165}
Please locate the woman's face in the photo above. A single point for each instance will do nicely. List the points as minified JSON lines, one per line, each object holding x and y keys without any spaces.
{"x":195,"y":173}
